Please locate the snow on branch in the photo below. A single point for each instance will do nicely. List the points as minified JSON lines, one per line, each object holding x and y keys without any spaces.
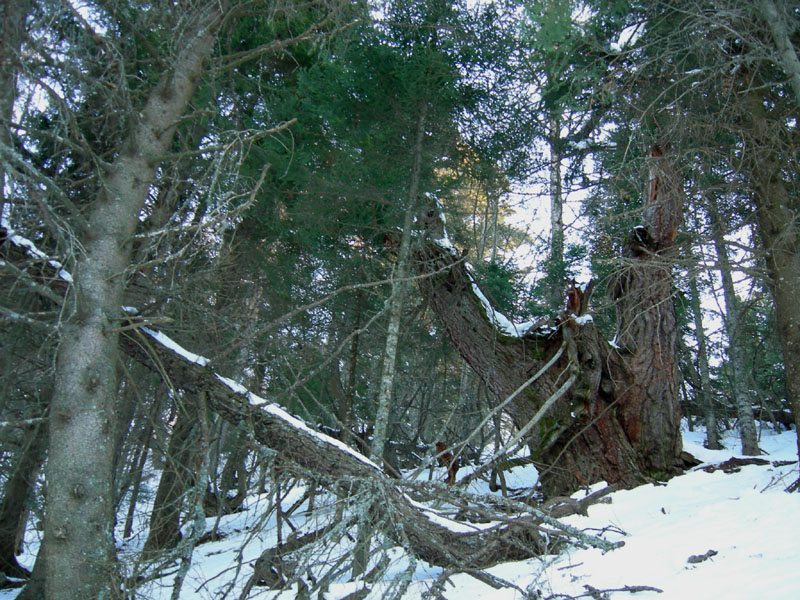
{"x":29,"y":248}
{"x":431,"y":536}
{"x":437,"y":226}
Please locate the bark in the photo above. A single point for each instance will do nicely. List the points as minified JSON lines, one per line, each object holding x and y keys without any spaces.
{"x":12,"y":32}
{"x":177,"y":479}
{"x":619,"y":421}
{"x":78,"y":540}
{"x":704,"y":389}
{"x":346,"y":404}
{"x":16,"y":495}
{"x":736,"y":352}
{"x":399,"y":291}
{"x":646,"y":366}
{"x":777,"y":211}
{"x":338,"y":467}
{"x":555,"y":265}
{"x":136,"y":473}
{"x":234,"y":476}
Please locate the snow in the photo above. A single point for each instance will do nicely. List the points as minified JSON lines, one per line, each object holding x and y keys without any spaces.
{"x":277,"y":411}
{"x":33,"y":251}
{"x":175,"y":347}
{"x":498,"y":319}
{"x":255,"y":400}
{"x":745,"y":517}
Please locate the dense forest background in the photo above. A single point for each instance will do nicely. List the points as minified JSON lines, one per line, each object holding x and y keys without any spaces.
{"x":534,"y":232}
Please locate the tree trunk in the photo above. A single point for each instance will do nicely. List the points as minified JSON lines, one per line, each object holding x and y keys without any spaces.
{"x":787,"y":57}
{"x":345,"y":408}
{"x":78,"y":525}
{"x":619,"y":421}
{"x":295,"y":442}
{"x":706,"y":397}
{"x":556,"y":272}
{"x":177,"y":478}
{"x":739,"y":377}
{"x":777,"y":211}
{"x":12,"y":31}
{"x":399,"y":290}
{"x":16,"y":494}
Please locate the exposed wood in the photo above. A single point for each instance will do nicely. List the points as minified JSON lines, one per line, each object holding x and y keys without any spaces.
{"x":619,"y":421}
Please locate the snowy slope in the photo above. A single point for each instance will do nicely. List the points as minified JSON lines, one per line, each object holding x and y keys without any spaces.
{"x":745,"y":517}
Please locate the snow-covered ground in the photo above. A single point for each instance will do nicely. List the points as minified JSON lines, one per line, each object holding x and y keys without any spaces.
{"x":741,"y":531}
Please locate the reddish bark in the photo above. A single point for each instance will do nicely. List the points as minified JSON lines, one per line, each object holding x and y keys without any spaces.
{"x":446,"y":460}
{"x":619,"y":421}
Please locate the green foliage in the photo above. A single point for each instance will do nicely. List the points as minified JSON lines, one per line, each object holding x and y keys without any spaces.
{"x":504,"y":286}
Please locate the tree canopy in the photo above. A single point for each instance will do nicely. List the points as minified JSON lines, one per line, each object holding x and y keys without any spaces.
{"x":246,"y":244}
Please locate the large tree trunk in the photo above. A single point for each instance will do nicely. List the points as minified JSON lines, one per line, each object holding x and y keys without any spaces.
{"x":78,"y":540}
{"x":777,"y":205}
{"x":777,"y":210}
{"x":619,"y":421}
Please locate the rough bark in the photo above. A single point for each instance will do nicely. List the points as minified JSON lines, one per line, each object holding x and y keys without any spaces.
{"x":78,"y":537}
{"x":777,"y":211}
{"x":334,"y":463}
{"x":620,"y":421}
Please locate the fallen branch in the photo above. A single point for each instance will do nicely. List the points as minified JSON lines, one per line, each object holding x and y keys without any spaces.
{"x":436,"y":539}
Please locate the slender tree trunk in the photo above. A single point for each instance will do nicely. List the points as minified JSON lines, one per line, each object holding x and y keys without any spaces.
{"x":16,"y":494}
{"x":399,"y":289}
{"x":736,"y":352}
{"x":396,"y":304}
{"x":177,"y":478}
{"x":555,"y":263}
{"x":706,"y":397}
{"x":12,"y":31}
{"x":78,"y":525}
{"x":135,"y":476}
{"x":346,"y":406}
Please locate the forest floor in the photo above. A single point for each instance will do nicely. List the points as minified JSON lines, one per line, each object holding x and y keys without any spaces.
{"x":718,"y":531}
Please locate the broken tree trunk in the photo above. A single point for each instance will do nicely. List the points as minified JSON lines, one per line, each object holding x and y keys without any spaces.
{"x":619,"y":419}
{"x":432,"y":538}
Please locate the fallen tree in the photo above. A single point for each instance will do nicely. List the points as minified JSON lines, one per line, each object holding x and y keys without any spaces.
{"x":600,"y":410}
{"x":430,"y":536}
